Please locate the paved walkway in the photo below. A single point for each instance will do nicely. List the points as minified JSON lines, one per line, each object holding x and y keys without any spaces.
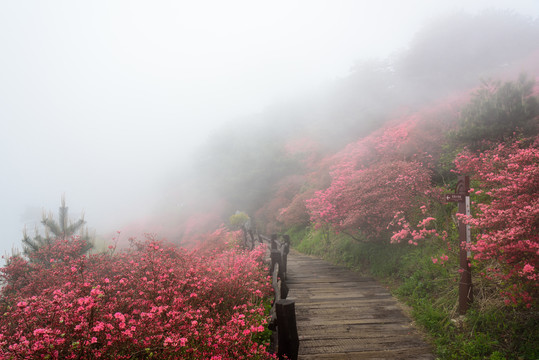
{"x":343,"y":315}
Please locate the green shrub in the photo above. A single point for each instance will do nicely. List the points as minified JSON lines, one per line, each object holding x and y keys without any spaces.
{"x":297,"y":234}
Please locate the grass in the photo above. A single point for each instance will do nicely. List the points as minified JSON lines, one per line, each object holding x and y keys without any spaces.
{"x":490,"y":329}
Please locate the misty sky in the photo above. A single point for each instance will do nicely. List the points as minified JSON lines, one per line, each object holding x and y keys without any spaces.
{"x":101,"y":100}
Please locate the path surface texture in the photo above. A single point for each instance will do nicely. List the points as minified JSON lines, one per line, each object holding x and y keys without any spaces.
{"x":343,"y":315}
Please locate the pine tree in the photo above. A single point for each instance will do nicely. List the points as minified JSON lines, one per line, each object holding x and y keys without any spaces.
{"x":63,"y":230}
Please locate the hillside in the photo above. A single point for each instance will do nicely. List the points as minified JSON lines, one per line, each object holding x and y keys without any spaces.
{"x":356,"y":172}
{"x":253,"y":158}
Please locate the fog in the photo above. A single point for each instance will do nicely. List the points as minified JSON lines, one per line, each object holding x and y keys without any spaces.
{"x":104,"y":101}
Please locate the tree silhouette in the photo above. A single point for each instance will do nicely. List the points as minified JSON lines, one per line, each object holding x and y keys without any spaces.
{"x":497,"y":112}
{"x":63,"y":230}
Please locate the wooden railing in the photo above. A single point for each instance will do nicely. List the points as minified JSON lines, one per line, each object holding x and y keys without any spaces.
{"x":285,"y":338}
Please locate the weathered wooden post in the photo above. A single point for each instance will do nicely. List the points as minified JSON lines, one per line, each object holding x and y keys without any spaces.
{"x":275,"y":258}
{"x":252,"y":239}
{"x":284,"y":289}
{"x":288,"y":339}
{"x":244,"y":231}
{"x":462,"y":196}
{"x":465,"y":285}
{"x":285,"y":251}
{"x":275,"y":254}
{"x":275,"y":283}
{"x":273,"y":242}
{"x":273,"y":321}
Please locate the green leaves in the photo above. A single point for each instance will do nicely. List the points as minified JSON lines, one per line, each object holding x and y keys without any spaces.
{"x":498,"y":112}
{"x":61,"y":231}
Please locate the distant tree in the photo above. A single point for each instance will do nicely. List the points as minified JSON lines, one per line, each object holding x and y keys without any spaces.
{"x":63,"y":230}
{"x":267,"y":216}
{"x":361,"y":102}
{"x":498,"y":111}
{"x":455,"y":51}
{"x":239,"y":220}
{"x":248,"y":164}
{"x":296,"y":213}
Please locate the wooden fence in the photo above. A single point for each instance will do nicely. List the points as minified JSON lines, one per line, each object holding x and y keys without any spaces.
{"x":285,"y":339}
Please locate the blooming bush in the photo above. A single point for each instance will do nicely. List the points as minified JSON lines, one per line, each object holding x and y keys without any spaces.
{"x":367,"y":200}
{"x":386,"y":173}
{"x":267,"y":219}
{"x":296,"y":213}
{"x":425,"y":229}
{"x":508,"y":217}
{"x":153,"y":300}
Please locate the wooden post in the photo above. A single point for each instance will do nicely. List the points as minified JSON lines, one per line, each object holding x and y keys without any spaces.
{"x":288,"y":339}
{"x":465,"y":285}
{"x":275,"y":283}
{"x":285,"y":251}
{"x":273,"y":242}
{"x":252,"y":239}
{"x":275,"y":256}
{"x":244,"y":230}
{"x":284,"y":289}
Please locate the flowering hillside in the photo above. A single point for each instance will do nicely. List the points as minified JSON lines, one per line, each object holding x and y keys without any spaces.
{"x":370,"y":199}
{"x":151,"y":301}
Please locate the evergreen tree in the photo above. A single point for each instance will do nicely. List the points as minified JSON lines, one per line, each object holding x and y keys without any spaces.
{"x":498,"y":112}
{"x":63,"y":230}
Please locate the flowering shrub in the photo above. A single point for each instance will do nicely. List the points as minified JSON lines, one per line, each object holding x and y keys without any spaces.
{"x":296,"y":214}
{"x":384,"y":173}
{"x":153,"y":300}
{"x":507,"y":219}
{"x":219,"y":240}
{"x":367,"y":200}
{"x":267,"y":218}
{"x":424,"y":229}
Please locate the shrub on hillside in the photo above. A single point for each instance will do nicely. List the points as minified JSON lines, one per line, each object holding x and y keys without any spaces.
{"x":496,"y":111}
{"x":367,"y":200}
{"x":507,"y":221}
{"x":153,"y":300}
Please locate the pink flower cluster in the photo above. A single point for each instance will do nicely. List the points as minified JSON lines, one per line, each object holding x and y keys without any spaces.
{"x":442,"y":259}
{"x":425,"y":229}
{"x":153,"y":300}
{"x":507,"y":217}
{"x":359,"y":189}
{"x":380,"y":175}
{"x":366,"y":200}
